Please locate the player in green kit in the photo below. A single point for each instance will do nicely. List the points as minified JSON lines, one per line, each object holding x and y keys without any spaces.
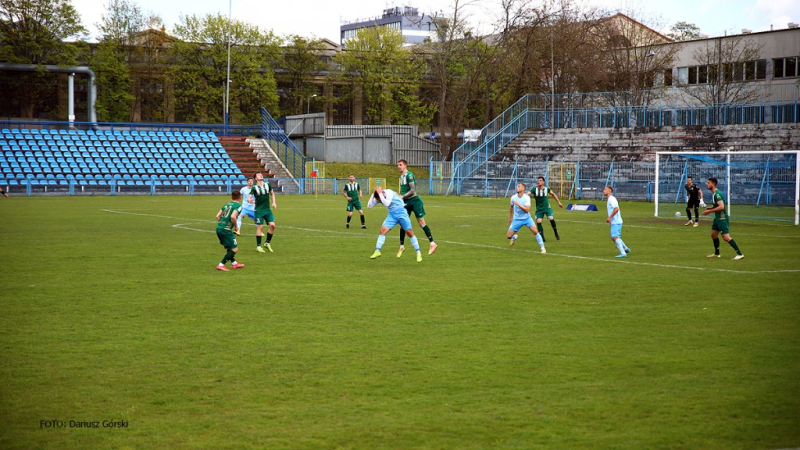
{"x":408,"y":191}
{"x":226,"y":227}
{"x":262,"y":192}
{"x":352,"y":192}
{"x":721,"y":223}
{"x":541,"y":194}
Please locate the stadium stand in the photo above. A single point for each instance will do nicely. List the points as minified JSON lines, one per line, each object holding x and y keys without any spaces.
{"x":129,"y":161}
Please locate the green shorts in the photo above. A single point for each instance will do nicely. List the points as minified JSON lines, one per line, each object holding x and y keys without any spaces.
{"x":414,"y":204}
{"x":541,"y":213}
{"x":226,"y":238}
{"x":721,"y":225}
{"x":354,"y":205}
{"x":263,"y":217}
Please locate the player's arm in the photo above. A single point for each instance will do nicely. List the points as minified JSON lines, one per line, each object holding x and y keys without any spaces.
{"x":720,"y":206}
{"x":613,"y":213}
{"x":219,"y":215}
{"x":360,"y":196}
{"x":510,"y":213}
{"x":234,"y":215}
{"x":272,"y":194}
{"x":251,"y":198}
{"x":3,"y":192}
{"x":556,"y":198}
{"x":412,"y":190}
{"x":344,"y":192}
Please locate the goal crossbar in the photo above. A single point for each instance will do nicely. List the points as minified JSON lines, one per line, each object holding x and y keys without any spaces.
{"x":727,"y":154}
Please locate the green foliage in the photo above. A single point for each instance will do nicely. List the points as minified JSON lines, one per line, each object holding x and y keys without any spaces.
{"x":684,"y":31}
{"x":199,"y":73}
{"x":316,"y":346}
{"x":389,"y":77}
{"x":36,"y":32}
{"x":114,"y":97}
{"x":301,"y":62}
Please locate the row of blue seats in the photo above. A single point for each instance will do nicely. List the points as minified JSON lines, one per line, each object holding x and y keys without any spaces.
{"x":187,"y":168}
{"x":12,"y":137}
{"x":94,"y":157}
{"x":130,"y":177}
{"x":44,"y":168}
{"x":89,"y":143}
{"x":26,"y":131}
{"x":108,"y":183}
{"x":51,"y":148}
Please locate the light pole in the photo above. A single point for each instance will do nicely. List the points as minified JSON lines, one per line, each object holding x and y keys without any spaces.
{"x":228,"y":74}
{"x":308,"y":106}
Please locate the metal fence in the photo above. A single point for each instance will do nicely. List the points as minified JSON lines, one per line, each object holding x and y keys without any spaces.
{"x":219,"y":130}
{"x":288,"y":153}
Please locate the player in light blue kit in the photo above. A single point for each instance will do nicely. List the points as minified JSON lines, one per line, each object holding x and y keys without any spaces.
{"x":397,"y":215}
{"x":519,"y":215}
{"x":615,"y":219}
{"x":248,"y":205}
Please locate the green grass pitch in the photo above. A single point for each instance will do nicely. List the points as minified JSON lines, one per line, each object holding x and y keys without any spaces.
{"x":112,"y":311}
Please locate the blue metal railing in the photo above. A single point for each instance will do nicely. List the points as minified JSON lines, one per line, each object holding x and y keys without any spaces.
{"x":217,"y":129}
{"x":288,"y":153}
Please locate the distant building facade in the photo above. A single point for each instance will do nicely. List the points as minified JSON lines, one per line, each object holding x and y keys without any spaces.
{"x":415,"y":28}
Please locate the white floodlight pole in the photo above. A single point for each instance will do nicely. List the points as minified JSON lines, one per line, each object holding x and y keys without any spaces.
{"x":728,"y":177}
{"x":228,"y":74}
{"x":797,"y":188}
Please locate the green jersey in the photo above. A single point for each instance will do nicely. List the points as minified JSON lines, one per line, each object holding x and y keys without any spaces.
{"x":405,"y":181}
{"x":719,"y":198}
{"x":261,"y":194}
{"x":542,"y":197}
{"x":351,"y":190}
{"x":225,"y":222}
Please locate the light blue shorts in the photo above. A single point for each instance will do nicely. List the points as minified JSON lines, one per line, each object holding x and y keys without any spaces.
{"x":400,"y":217}
{"x":616,"y":230}
{"x":516,"y":224}
{"x":251,"y":213}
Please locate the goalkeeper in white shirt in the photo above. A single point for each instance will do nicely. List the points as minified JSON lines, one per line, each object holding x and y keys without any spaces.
{"x":397,"y":215}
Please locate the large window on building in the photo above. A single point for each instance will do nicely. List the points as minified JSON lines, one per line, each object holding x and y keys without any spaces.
{"x":739,"y":71}
{"x":784,"y":67}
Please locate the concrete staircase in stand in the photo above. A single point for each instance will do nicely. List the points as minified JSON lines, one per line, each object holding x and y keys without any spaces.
{"x":285,"y":182}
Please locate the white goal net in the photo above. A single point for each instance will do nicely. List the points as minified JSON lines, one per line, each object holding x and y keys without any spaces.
{"x":756,"y":185}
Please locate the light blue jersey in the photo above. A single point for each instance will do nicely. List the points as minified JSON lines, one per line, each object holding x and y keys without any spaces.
{"x":246,"y":205}
{"x":519,"y":213}
{"x":612,"y":203}
{"x":397,"y":210}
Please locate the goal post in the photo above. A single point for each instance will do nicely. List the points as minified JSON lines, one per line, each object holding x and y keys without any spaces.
{"x":758,"y":185}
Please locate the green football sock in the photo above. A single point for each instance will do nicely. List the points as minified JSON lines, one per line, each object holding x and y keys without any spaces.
{"x":269,"y":238}
{"x":553,"y":224}
{"x":258,"y":240}
{"x":362,"y":219}
{"x":428,"y":233}
{"x":539,"y":227}
{"x":735,"y":247}
{"x":716,"y":246}
{"x":348,"y":218}
{"x":402,"y":236}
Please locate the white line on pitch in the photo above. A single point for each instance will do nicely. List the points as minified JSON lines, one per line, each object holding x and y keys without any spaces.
{"x":468,"y":244}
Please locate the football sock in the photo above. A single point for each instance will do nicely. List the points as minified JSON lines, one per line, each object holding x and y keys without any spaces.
{"x":513,"y":237}
{"x":269,"y":238}
{"x":348,"y":218}
{"x":553,"y":224}
{"x":381,"y":240}
{"x":362,"y":219}
{"x":415,"y":243}
{"x":239,"y":222}
{"x":402,"y":236}
{"x":689,"y":213}
{"x":258,"y":240}
{"x":428,"y":233}
{"x":539,"y":227}
{"x":696,"y":215}
{"x":716,"y":246}
{"x":620,"y":246}
{"x":539,"y":240}
{"x":735,"y":247}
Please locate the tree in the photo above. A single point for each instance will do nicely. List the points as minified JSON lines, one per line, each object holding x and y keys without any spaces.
{"x":301,"y":62}
{"x":113,"y":57}
{"x":376,"y":65}
{"x":684,"y":31}
{"x":725,"y":64}
{"x":36,"y":32}
{"x":200,"y":69}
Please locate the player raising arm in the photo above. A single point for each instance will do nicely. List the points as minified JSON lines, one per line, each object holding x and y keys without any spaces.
{"x":541,"y":194}
{"x":352,"y":192}
{"x":396,"y":214}
{"x":519,"y":215}
{"x":226,"y":227}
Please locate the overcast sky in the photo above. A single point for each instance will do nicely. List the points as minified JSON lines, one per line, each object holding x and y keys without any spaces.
{"x":322,"y":18}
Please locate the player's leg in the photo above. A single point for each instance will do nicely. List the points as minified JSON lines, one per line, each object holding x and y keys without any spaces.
{"x":727,"y":237}
{"x":259,"y":232}
{"x":419,"y":212}
{"x":715,"y":239}
{"x":689,"y":213}
{"x":538,"y":236}
{"x":616,"y":233}
{"x":553,"y":224}
{"x":363,"y":224}
{"x":539,"y":228}
{"x":696,"y":214}
{"x":387,"y":226}
{"x":270,"y":231}
{"x":349,"y":216}
{"x":405,"y":223}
